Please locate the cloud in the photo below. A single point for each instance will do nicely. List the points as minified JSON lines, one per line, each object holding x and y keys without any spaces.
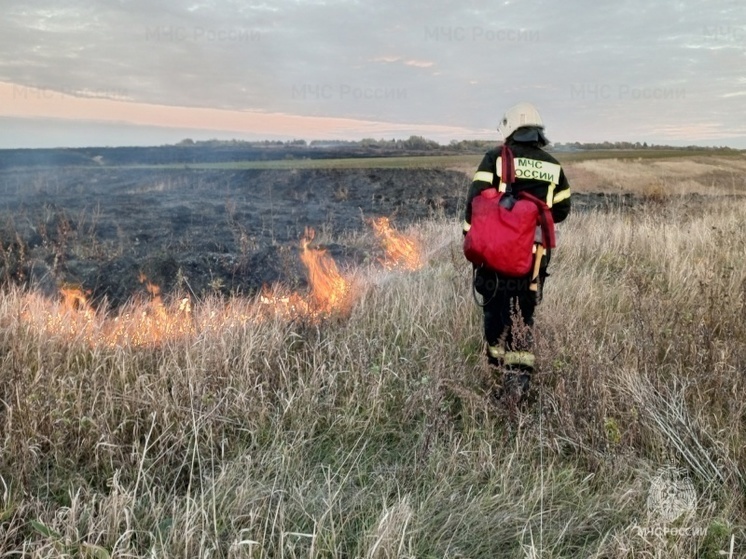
{"x":583,"y":64}
{"x":401,"y":60}
{"x":387,"y":59}
{"x":19,"y":102}
{"x":419,"y":63}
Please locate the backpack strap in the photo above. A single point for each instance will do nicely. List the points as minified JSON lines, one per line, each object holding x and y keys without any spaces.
{"x":507,"y":171}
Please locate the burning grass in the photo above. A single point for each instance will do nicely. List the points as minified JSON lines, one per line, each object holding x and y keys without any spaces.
{"x":329,"y":290}
{"x":373,"y":435}
{"x":150,"y":321}
{"x":401,"y":251}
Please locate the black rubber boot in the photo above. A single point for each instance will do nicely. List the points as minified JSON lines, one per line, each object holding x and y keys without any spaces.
{"x":518,"y":382}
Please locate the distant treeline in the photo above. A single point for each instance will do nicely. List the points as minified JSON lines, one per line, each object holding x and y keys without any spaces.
{"x":413,"y":143}
{"x":221,"y":151}
{"x":418,"y":143}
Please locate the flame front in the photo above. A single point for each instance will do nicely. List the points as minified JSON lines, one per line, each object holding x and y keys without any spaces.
{"x":150,"y":321}
{"x":140,"y":323}
{"x":401,"y":251}
{"x":147,"y":320}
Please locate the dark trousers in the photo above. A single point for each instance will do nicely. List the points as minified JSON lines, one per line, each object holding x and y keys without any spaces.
{"x":509,"y":306}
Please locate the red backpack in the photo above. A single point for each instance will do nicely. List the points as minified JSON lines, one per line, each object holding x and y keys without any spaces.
{"x":503,"y":226}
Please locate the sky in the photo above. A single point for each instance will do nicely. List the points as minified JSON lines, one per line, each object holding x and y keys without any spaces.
{"x":151,"y":72}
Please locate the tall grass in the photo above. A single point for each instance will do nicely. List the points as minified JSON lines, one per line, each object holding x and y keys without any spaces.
{"x":373,"y":435}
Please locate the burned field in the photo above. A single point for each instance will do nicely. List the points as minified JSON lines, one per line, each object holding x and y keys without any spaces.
{"x":206,"y":231}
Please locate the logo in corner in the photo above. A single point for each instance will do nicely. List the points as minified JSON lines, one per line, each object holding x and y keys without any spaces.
{"x":671,"y":495}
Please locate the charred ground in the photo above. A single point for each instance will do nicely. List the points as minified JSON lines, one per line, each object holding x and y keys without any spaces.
{"x":210,"y":231}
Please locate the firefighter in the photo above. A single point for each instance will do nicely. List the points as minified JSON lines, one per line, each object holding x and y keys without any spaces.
{"x":508,"y":302}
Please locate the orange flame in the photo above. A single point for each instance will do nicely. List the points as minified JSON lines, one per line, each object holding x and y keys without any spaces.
{"x":401,"y":251}
{"x":151,"y":321}
{"x":141,"y":323}
{"x":74,"y":300}
{"x":329,"y":289}
{"x":75,"y":317}
{"x":282,"y":304}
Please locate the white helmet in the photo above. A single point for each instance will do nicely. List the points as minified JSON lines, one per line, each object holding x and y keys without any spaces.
{"x":522,"y":114}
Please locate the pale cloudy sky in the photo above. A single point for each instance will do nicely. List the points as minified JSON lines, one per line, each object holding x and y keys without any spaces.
{"x":144,"y":72}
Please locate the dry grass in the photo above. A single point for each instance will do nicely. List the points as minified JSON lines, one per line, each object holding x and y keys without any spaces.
{"x":372,"y":435}
{"x":712,"y":175}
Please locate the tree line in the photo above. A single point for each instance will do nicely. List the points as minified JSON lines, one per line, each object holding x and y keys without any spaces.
{"x":420,"y":143}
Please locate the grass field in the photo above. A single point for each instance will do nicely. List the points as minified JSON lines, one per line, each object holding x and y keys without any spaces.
{"x":372,"y":434}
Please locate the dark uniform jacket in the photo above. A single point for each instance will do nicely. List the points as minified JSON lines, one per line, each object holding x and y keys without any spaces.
{"x":536,"y":172}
